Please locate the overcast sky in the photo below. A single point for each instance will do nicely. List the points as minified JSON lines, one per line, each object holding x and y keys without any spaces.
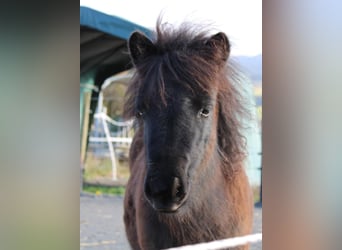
{"x":241,"y":20}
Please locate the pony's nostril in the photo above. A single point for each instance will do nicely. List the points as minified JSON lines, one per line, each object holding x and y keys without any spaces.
{"x":156,"y":189}
{"x":177,"y":188}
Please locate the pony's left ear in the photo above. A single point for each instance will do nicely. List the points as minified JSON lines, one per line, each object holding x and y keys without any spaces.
{"x":139,"y":46}
{"x":220,"y":44}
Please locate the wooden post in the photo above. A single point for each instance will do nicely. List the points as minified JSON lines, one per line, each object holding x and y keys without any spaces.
{"x":85,"y":124}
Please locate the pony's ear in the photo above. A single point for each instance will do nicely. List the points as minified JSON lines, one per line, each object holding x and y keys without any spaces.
{"x":139,"y":46}
{"x":220,"y":44}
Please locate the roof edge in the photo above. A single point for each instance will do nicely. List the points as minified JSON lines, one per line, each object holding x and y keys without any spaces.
{"x":112,"y":25}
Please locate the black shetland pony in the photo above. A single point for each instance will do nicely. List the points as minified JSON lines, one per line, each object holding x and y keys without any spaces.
{"x":188,"y":183}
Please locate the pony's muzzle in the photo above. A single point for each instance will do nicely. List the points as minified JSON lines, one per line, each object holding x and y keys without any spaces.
{"x":165,"y":195}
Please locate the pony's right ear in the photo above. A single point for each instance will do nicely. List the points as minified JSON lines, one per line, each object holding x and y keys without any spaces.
{"x":139,"y":46}
{"x":220,"y":44}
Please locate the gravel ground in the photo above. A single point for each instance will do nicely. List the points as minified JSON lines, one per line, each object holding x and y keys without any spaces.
{"x":102,"y":228}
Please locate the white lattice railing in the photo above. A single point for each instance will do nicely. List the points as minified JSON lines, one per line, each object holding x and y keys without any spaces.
{"x":219,"y":244}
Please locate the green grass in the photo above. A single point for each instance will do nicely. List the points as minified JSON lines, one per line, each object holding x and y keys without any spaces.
{"x":102,"y":168}
{"x":104,"y":190}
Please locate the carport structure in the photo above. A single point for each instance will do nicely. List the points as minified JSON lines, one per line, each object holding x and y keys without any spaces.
{"x":103,"y":50}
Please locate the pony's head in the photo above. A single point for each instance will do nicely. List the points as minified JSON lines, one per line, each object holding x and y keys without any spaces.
{"x":176,"y":95}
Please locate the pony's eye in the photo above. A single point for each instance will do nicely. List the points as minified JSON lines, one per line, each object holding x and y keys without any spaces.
{"x":139,"y":114}
{"x":204,"y":112}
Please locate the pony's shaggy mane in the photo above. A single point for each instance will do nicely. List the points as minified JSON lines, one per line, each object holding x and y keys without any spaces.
{"x":181,"y":51}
